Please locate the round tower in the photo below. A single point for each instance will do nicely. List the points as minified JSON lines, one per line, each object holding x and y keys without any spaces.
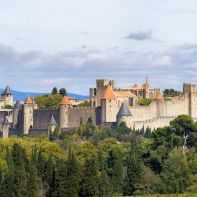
{"x":64,"y":106}
{"x":124,"y":115}
{"x":27,"y":115}
{"x":108,"y":106}
{"x":8,"y":96}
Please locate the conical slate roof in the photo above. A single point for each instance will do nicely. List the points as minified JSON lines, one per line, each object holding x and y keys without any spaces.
{"x":5,"y":121}
{"x":109,"y":94}
{"x":52,"y":121}
{"x":17,"y":104}
{"x":7,"y":91}
{"x":124,"y":110}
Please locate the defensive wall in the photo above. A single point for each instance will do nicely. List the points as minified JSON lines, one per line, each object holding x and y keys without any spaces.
{"x":42,"y":117}
{"x":160,"y":113}
{"x":161,"y":109}
{"x":38,"y":132}
{"x":76,"y":113}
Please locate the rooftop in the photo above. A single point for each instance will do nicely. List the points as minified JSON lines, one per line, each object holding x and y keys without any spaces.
{"x":65,"y":101}
{"x":7,"y":91}
{"x":124,"y":110}
{"x":28,"y":100}
{"x":109,"y":93}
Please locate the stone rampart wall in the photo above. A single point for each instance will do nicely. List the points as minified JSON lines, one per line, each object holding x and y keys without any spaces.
{"x":75,"y":114}
{"x":41,"y":118}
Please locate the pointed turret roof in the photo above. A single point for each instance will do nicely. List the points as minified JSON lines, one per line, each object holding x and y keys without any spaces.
{"x":159,"y":97}
{"x":17,"y":104}
{"x":5,"y":121}
{"x":7,"y":91}
{"x":28,"y":100}
{"x":124,"y":110}
{"x":109,"y":93}
{"x":65,"y":101}
{"x":52,"y":121}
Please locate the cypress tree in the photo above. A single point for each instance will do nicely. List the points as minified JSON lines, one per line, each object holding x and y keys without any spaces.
{"x":115,"y":170}
{"x":49,"y":175}
{"x":89,"y":180}
{"x":20,"y":175}
{"x":34,"y":156}
{"x":41,"y":164}
{"x":59,"y":182}
{"x":117,"y":175}
{"x":33,"y":182}
{"x":134,"y":172}
{"x":104,"y":182}
{"x":1,"y":181}
{"x":9,"y":161}
{"x":72,"y":178}
{"x":8,"y":186}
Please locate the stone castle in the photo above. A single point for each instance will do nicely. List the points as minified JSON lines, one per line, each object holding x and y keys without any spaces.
{"x":109,"y":107}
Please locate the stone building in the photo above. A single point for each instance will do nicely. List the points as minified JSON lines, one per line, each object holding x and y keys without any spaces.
{"x":109,"y":106}
{"x":6,"y":98}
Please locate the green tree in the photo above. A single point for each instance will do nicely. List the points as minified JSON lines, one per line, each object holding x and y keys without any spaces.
{"x":134,"y":169}
{"x":72,"y":178}
{"x":49,"y":175}
{"x":170,"y":93}
{"x":41,"y":163}
{"x":115,"y":170}
{"x":20,"y":175}
{"x":54,"y":91}
{"x":33,"y":182}
{"x":176,"y":173}
{"x":62,"y":92}
{"x":104,"y":181}
{"x":184,"y":124}
{"x":89,"y":179}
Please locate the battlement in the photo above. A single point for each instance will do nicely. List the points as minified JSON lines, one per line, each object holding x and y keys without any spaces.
{"x":43,"y":110}
{"x":82,"y":108}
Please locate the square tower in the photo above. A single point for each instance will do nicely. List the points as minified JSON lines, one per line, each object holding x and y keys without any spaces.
{"x":189,"y":88}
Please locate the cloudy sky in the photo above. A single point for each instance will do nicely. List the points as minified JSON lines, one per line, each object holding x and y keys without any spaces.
{"x":70,"y":43}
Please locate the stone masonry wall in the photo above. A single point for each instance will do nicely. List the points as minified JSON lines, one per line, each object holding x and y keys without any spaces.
{"x":41,"y":118}
{"x":75,"y":114}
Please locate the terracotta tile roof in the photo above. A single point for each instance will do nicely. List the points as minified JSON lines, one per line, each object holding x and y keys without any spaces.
{"x":124,"y":93}
{"x":65,"y":101}
{"x":159,"y":97}
{"x":28,"y":100}
{"x":109,"y":93}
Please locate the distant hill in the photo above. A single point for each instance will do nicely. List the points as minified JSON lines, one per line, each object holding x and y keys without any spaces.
{"x":22,"y":95}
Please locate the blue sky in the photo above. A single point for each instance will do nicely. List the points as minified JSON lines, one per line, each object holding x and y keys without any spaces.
{"x":46,"y":43}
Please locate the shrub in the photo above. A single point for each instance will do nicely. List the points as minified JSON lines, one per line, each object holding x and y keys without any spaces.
{"x":145,"y":101}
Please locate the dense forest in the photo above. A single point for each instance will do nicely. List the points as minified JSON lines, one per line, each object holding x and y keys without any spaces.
{"x":101,"y":161}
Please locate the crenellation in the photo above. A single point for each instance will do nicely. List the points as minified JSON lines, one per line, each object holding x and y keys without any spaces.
{"x":106,"y":103}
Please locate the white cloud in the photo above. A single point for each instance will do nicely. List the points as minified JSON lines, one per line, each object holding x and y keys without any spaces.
{"x":77,"y":70}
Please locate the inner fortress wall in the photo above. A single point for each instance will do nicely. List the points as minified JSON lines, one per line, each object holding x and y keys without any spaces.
{"x":161,"y":109}
{"x":194,"y":105}
{"x":41,"y":118}
{"x":75,"y":114}
{"x":151,"y":123}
